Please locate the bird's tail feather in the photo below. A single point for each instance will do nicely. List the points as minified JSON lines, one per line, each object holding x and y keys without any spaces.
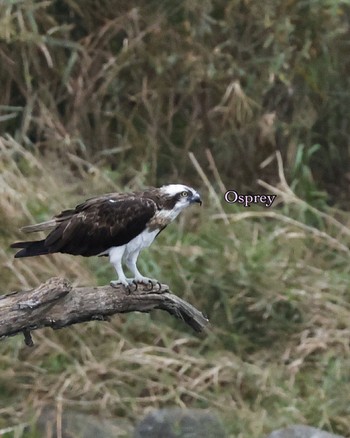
{"x":30,"y":249}
{"x":40,"y":227}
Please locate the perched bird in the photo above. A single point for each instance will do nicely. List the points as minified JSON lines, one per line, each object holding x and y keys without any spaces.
{"x":118,"y":225}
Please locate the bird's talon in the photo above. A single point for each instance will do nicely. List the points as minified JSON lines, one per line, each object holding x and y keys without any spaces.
{"x":130,"y":289}
{"x":114,"y":284}
{"x":126,"y":284}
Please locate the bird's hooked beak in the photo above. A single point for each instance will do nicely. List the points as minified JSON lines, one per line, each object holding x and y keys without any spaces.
{"x":196,"y":198}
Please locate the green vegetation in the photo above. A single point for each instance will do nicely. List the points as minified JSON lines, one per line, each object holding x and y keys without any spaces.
{"x":113,"y":95}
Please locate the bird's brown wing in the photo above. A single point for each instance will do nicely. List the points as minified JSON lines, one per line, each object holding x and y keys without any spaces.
{"x":99,"y":224}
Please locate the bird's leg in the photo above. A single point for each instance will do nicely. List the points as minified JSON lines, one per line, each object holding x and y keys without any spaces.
{"x":115,"y":257}
{"x":130,"y":262}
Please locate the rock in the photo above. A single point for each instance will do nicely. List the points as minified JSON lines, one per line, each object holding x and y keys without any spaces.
{"x":79,"y":425}
{"x":180,"y":423}
{"x":299,"y":431}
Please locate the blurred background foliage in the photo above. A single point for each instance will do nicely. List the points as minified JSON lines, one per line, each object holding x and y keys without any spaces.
{"x":145,"y":82}
{"x":244,"y":94}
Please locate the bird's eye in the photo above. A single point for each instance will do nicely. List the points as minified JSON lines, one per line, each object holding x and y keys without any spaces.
{"x":184,"y":194}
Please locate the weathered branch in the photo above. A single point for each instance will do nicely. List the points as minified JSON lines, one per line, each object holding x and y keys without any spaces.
{"x":58,"y":304}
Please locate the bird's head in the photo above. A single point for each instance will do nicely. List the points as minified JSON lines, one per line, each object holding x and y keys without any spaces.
{"x":180,"y":196}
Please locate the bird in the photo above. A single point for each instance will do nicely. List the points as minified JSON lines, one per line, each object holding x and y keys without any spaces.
{"x":117,"y":225}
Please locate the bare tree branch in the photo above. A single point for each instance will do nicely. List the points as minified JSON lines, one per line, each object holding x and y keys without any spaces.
{"x":58,"y":304}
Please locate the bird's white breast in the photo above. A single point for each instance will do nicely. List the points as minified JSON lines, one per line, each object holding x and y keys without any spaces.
{"x":143,"y":240}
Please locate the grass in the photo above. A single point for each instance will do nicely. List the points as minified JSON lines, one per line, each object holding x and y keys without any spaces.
{"x":217,"y":95}
{"x":275,"y":289}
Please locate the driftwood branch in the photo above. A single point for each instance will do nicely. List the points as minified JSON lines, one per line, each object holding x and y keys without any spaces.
{"x":58,"y":304}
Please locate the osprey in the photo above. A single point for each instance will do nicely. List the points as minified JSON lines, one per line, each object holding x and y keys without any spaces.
{"x":118,"y":225}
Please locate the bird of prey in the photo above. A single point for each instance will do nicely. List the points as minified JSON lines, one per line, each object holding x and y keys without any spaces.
{"x":118,"y":225}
